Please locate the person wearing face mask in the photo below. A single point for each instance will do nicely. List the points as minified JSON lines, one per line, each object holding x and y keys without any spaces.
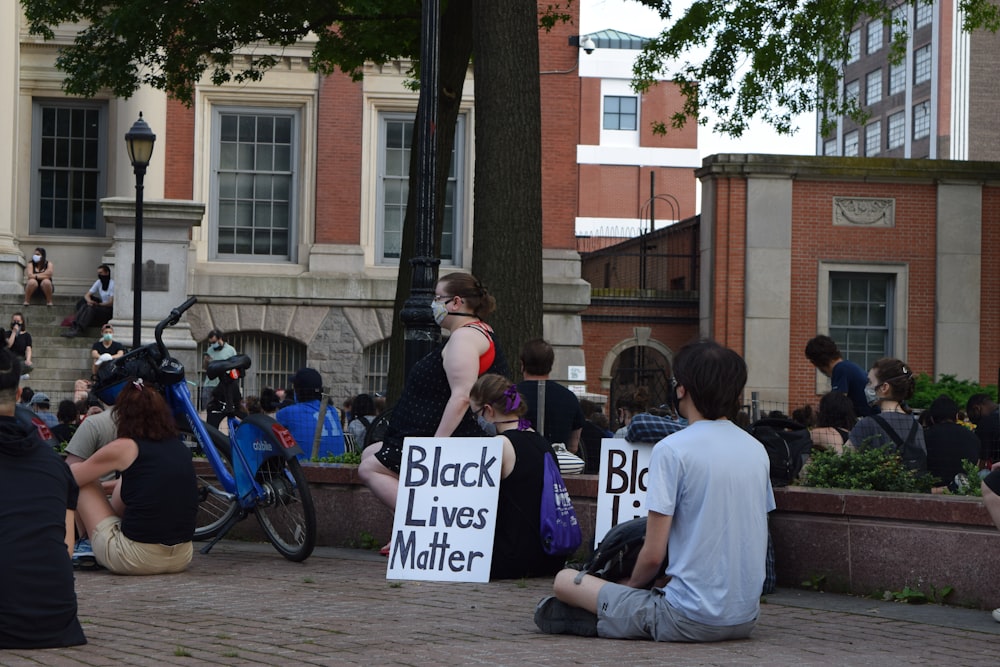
{"x":890,"y":384}
{"x":97,"y":305}
{"x":435,"y":398}
{"x":19,"y":340}
{"x":105,"y":345}
{"x":38,"y":275}
{"x":983,"y":412}
{"x":517,"y":551}
{"x":218,"y":350}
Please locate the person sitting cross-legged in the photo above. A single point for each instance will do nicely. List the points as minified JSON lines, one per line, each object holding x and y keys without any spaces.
{"x":709,"y":492}
{"x":147,"y":525}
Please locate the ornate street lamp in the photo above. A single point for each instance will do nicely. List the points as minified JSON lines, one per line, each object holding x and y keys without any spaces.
{"x":139,"y":142}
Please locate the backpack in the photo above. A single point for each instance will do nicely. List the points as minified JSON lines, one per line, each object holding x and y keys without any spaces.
{"x":615,"y":557}
{"x":560,"y":530}
{"x":787,"y":444}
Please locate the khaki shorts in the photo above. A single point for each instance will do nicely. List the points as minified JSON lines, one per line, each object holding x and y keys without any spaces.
{"x":636,"y":613}
{"x":121,"y":555}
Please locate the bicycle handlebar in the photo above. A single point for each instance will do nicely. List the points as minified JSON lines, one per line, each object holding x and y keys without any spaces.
{"x":170,"y":320}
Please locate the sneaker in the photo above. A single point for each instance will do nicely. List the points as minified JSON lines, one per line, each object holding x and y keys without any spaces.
{"x":83,"y":556}
{"x":555,"y":617}
{"x":25,"y":377}
{"x":996,"y":615}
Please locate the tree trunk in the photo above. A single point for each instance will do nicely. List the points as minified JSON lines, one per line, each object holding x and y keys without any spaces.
{"x":507,"y":244}
{"x":456,"y":49}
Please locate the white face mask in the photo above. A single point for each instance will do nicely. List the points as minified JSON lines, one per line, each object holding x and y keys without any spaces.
{"x":36,"y":258}
{"x":440,"y":312}
{"x":870,"y":395}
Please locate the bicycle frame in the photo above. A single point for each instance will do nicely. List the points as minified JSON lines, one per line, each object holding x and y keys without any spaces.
{"x":265,"y":476}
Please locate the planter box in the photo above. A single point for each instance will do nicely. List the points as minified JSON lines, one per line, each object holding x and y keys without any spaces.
{"x":868,"y":542}
{"x":863,"y":542}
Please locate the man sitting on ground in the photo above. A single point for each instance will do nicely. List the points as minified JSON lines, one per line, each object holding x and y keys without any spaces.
{"x":709,"y":492}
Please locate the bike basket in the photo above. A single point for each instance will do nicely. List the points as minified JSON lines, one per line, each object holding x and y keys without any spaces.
{"x":112,"y":375}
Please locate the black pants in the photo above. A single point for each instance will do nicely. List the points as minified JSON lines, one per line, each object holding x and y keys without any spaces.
{"x":91,"y":316}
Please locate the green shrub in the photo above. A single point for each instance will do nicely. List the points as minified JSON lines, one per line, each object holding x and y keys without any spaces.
{"x":927,"y":390}
{"x":352,"y":458}
{"x":866,"y":470}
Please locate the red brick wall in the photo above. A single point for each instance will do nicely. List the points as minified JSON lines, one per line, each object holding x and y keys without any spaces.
{"x":814,"y":238}
{"x":600,"y":337}
{"x":658,"y":104}
{"x":590,"y":111}
{"x":178,"y":152}
{"x":989,"y":336}
{"x":560,"y":131}
{"x":729,"y":261}
{"x":338,"y":156}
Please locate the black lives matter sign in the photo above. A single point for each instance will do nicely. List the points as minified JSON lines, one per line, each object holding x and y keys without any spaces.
{"x":446,"y":509}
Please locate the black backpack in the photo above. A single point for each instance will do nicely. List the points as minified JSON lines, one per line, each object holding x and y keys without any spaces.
{"x":614,"y":559}
{"x":787,"y":444}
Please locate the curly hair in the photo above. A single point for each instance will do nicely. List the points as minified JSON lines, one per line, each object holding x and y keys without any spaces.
{"x":473,"y":292}
{"x":141,"y":413}
{"x":836,"y":410}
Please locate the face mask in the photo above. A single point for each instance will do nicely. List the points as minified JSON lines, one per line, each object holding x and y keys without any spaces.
{"x":14,"y":324}
{"x":871,"y":396}
{"x":107,"y":337}
{"x":440,"y":312}
{"x":36,"y":258}
{"x":218,"y":346}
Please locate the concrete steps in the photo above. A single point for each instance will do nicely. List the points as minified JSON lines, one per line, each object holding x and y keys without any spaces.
{"x":58,"y":362}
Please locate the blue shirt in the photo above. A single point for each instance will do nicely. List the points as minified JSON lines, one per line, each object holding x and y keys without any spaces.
{"x":300,"y":419}
{"x":848,"y":378}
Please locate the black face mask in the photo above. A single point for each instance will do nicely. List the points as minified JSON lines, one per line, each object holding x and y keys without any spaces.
{"x":104,"y":280}
{"x":15,"y":324}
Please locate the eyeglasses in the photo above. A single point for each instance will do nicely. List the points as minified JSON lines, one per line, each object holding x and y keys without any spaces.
{"x":442,"y":297}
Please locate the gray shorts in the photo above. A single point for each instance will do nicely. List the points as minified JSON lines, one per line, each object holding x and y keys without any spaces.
{"x":635,"y":613}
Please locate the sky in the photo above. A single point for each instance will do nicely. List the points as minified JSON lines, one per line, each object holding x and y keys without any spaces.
{"x":629,"y":16}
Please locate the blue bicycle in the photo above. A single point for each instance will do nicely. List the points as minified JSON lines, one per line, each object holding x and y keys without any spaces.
{"x":256,"y":465}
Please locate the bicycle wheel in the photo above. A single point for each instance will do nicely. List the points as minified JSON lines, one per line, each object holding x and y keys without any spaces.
{"x":286,"y":513}
{"x":213,"y":510}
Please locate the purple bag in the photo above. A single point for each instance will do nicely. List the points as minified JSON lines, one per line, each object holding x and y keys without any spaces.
{"x":560,"y":530}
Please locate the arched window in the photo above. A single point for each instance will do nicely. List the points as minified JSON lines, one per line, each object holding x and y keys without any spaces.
{"x":639,"y":366}
{"x":376,"y":360}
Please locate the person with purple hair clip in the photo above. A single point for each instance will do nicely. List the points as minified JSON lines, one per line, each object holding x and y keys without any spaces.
{"x":517,"y":548}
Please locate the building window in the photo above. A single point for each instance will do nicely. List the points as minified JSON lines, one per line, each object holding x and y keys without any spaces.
{"x":897,"y":78}
{"x":275,"y":359}
{"x":851,"y":91}
{"x":900,"y":20}
{"x":395,"y":139}
{"x":922,"y":65}
{"x":376,"y":360}
{"x":851,"y":144}
{"x":897,"y":130}
{"x":860,"y":307}
{"x":254,"y":156}
{"x":853,"y":46}
{"x":68,"y":166}
{"x":873,"y":138}
{"x":830,"y":147}
{"x":621,"y":113}
{"x":873,"y":87}
{"x":922,"y":120}
{"x":925,"y":14}
{"x":875,"y":31}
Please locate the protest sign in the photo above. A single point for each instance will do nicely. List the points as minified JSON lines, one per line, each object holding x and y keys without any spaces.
{"x":621,"y":483}
{"x":446,"y":509}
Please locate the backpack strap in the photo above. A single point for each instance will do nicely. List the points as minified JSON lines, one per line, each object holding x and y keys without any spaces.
{"x":891,"y":432}
{"x":540,"y":411}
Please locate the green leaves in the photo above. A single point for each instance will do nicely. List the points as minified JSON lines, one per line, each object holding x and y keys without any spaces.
{"x":773,"y":59}
{"x":864,"y":470}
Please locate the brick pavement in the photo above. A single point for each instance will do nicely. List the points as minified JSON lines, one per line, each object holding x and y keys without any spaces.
{"x":245,"y":605}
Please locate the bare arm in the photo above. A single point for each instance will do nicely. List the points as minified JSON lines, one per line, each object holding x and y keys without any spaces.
{"x":573,"y":441}
{"x":461,"y":364}
{"x":45,"y":274}
{"x":116,"y":455}
{"x":654,"y":549}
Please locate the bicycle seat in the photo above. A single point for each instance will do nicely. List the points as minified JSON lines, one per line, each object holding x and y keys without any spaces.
{"x":219,"y":368}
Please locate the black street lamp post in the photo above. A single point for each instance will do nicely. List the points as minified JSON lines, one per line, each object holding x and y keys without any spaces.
{"x":421,"y":333}
{"x":139,"y":142}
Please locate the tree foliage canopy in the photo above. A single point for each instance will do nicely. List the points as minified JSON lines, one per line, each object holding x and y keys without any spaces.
{"x":125,"y":44}
{"x":772,"y":59}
